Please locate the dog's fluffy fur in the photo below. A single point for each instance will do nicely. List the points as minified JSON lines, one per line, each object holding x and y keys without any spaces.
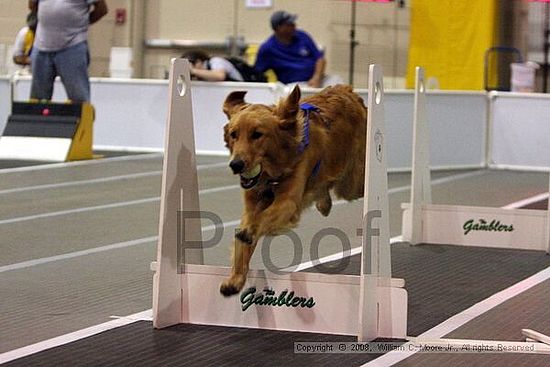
{"x":264,"y":143}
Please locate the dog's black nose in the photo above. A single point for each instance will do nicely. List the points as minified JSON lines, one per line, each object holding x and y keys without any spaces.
{"x":237,"y":165}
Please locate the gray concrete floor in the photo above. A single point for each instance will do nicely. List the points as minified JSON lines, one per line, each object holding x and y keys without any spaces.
{"x":102,"y":219}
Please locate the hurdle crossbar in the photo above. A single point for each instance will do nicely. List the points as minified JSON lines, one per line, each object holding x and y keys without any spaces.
{"x":424,"y":222}
{"x":368,"y":306}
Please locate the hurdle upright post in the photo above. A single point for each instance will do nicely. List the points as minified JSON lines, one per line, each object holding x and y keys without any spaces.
{"x":179,"y":194}
{"x":375,"y":258}
{"x":421,"y":192}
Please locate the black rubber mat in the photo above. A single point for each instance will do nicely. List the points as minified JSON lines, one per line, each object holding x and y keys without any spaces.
{"x":528,"y":310}
{"x":441,"y":281}
{"x":139,"y":344}
{"x":445,"y":280}
{"x":540,"y":205}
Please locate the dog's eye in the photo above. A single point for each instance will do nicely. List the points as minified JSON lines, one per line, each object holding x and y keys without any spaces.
{"x":256,"y":135}
{"x":233,"y":135}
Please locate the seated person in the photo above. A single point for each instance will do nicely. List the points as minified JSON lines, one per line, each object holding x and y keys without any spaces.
{"x":291,"y":53}
{"x":24,"y":40}
{"x":213,"y":69}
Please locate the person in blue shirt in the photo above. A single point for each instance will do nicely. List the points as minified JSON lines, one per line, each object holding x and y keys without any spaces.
{"x":291,"y":53}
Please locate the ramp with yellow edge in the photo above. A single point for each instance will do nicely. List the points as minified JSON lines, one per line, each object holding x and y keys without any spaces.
{"x":48,"y":132}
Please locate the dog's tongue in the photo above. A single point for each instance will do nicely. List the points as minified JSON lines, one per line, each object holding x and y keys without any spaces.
{"x":252,"y":172}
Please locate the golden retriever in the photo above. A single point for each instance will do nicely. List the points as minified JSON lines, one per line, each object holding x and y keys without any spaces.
{"x":288,"y":157}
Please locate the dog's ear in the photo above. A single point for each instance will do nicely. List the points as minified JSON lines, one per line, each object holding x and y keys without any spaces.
{"x":234,"y":103}
{"x":288,"y":109}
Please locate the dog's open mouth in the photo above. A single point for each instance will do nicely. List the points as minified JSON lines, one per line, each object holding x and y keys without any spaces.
{"x":250,"y":178}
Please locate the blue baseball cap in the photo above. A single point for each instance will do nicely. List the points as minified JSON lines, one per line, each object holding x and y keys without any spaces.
{"x":282,"y":17}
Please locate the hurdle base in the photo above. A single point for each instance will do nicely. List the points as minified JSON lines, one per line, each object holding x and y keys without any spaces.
{"x":523,"y":229}
{"x":334,"y":301}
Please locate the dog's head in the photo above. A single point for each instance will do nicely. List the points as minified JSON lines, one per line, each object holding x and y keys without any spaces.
{"x":262,"y":139}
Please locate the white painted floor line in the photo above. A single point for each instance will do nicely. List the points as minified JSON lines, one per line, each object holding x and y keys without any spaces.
{"x":439,"y":181}
{"x":102,"y":179}
{"x":95,"y":250}
{"x":527,"y":201}
{"x":81,"y":182}
{"x":337,"y":256}
{"x":79,"y":210}
{"x":71,"y":255}
{"x":146,"y":315}
{"x":204,"y":191}
{"x":68,"y":338}
{"x":139,"y":241}
{"x":106,"y":206}
{"x":458,"y":176}
{"x":218,"y":189}
{"x":201,"y":167}
{"x":462,"y":318}
{"x":82,"y":163}
{"x":226,"y":225}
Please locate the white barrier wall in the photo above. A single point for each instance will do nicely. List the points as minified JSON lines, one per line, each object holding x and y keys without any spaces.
{"x":131,"y":113}
{"x":457,"y":127}
{"x":5,"y":105}
{"x":519,"y":126}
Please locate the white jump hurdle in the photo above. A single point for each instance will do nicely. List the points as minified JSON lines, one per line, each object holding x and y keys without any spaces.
{"x":424,"y":222}
{"x":369,"y":306}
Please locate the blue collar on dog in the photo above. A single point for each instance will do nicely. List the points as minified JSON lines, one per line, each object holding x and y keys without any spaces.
{"x":307,"y":108}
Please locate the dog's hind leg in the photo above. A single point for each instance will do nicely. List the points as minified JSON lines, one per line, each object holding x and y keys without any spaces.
{"x":242,"y":252}
{"x":351,"y":185}
{"x":324,"y":203}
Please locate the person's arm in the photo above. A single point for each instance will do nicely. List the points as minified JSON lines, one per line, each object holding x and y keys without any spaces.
{"x":320,"y":64}
{"x":262,"y":60}
{"x":22,"y":60}
{"x":317,"y":78}
{"x":19,"y":56}
{"x":216,"y":69}
{"x":99,"y":11}
{"x":209,"y":75}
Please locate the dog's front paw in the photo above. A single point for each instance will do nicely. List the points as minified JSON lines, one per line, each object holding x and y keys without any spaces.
{"x":232,"y":286}
{"x":244,"y":236}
